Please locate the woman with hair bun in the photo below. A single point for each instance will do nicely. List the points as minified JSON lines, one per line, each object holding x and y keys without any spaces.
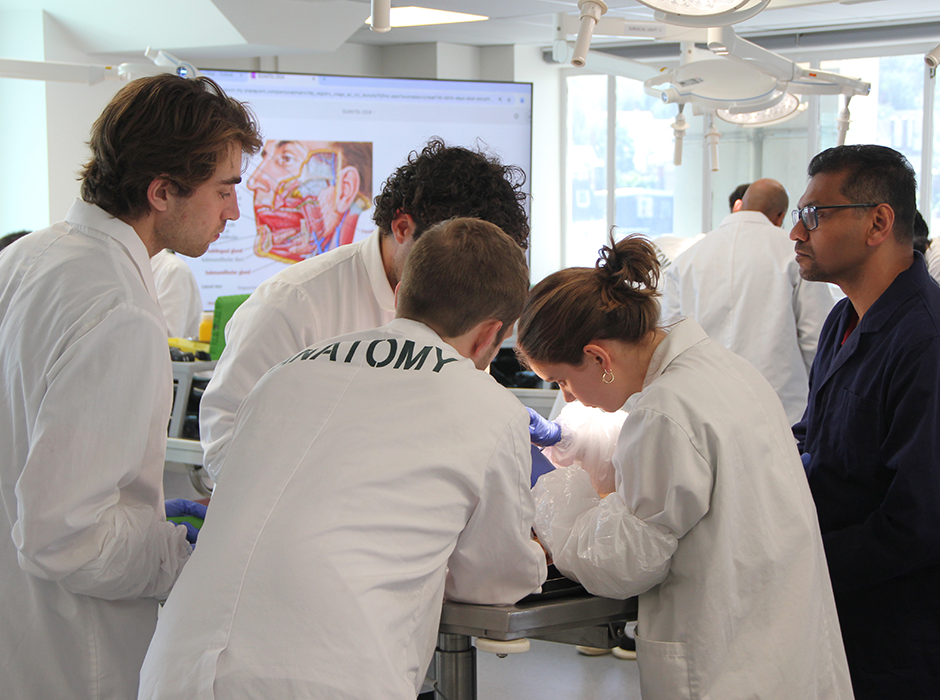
{"x":711,"y":522}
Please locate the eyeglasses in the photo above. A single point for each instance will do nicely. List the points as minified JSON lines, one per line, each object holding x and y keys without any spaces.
{"x":810,"y":218}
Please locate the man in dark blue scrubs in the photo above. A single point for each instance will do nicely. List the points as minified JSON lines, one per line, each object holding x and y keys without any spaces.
{"x":870,"y":436}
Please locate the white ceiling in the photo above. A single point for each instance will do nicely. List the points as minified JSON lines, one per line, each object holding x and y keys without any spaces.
{"x":194,"y":29}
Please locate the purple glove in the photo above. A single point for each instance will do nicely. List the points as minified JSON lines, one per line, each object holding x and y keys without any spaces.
{"x":543,"y":432}
{"x":806,"y":458}
{"x":540,"y":464}
{"x":187,"y":513}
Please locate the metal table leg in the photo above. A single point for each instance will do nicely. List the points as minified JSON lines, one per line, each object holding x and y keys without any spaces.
{"x":455,"y":668}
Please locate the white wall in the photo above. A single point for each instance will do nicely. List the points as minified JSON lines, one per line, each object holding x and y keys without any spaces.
{"x":24,"y":177}
{"x":71,"y":110}
{"x":52,"y":121}
{"x":547,"y":188}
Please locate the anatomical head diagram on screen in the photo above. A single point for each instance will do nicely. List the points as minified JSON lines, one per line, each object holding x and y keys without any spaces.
{"x":308,"y":196}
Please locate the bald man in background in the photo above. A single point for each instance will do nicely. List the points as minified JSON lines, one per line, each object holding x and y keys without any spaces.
{"x":741,"y":283}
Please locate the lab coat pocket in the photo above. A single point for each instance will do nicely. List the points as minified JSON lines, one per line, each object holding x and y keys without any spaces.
{"x":665,"y":671}
{"x":859,"y":449}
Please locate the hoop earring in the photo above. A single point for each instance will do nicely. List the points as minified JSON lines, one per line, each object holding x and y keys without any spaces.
{"x":608,"y":377}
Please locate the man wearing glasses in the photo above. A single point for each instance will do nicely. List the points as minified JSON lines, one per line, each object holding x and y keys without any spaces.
{"x":869,"y":437}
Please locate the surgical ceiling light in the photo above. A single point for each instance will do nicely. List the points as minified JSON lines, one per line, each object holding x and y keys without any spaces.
{"x":704,"y":13}
{"x":694,"y":7}
{"x":418,"y":17}
{"x":786,"y":109}
{"x":716,"y":83}
{"x":733,"y":78}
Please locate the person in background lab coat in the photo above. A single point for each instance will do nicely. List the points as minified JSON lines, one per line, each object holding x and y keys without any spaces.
{"x":742,"y":285}
{"x":11,"y":238}
{"x":178,"y":294}
{"x":352,"y":288}
{"x":922,"y":244}
{"x":87,"y":385}
{"x":368,"y":477}
{"x":711,"y":522}
{"x":736,"y":198}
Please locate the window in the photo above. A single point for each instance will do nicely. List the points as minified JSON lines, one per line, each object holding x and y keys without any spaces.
{"x":644,"y":157}
{"x":653,"y":197}
{"x":586,"y":169}
{"x":891,"y":115}
{"x":643,"y":177}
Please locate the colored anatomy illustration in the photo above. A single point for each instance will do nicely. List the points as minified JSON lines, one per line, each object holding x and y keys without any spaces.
{"x":308,"y":196}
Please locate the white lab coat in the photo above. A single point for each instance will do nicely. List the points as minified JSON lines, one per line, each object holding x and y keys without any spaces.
{"x":83,"y":416}
{"x":178,"y":294}
{"x":741,"y":283}
{"x":714,"y":527}
{"x":357,"y":493}
{"x":342,"y":291}
{"x":932,"y":257}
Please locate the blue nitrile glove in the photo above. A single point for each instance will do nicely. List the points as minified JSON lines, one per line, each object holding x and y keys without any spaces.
{"x":540,"y":464}
{"x":187,"y":513}
{"x":806,"y":458}
{"x":543,"y":432}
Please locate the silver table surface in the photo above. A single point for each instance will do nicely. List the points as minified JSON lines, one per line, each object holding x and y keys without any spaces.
{"x":534,"y":618}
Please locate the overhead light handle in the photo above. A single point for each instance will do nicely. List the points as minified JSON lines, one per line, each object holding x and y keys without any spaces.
{"x":844,"y":119}
{"x":591,"y":11}
{"x":679,"y":127}
{"x":381,"y":16}
{"x":711,"y":138}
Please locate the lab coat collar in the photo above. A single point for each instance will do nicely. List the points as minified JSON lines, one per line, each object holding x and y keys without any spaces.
{"x":900,"y":290}
{"x":679,"y":338}
{"x":904,"y":286}
{"x":94,"y":221}
{"x":375,"y":269}
{"x":740,"y":217}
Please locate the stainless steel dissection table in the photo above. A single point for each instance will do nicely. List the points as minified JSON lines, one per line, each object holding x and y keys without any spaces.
{"x":579,"y":618}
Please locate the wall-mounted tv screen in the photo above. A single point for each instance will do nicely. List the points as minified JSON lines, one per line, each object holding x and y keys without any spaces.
{"x":329,"y":144}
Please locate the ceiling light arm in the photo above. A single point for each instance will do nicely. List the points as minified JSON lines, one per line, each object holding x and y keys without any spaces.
{"x":90,"y":74}
{"x":183,"y":69}
{"x":723,"y":41}
{"x":570,"y":25}
{"x":57,"y":72}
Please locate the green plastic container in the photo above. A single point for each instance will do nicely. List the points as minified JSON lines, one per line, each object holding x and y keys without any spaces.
{"x":191,"y":519}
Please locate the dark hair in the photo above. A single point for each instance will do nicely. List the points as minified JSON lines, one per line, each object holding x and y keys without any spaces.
{"x":11,"y":238}
{"x":443,"y":182}
{"x":737,"y":194}
{"x":615,"y":300}
{"x":162,"y":126}
{"x":461,"y":272}
{"x":875,"y":174}
{"x":921,"y":233}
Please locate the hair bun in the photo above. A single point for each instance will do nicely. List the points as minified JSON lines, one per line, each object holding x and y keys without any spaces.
{"x":628,"y":268}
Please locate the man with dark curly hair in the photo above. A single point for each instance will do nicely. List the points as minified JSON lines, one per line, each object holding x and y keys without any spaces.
{"x":352,"y":288}
{"x":87,"y":549}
